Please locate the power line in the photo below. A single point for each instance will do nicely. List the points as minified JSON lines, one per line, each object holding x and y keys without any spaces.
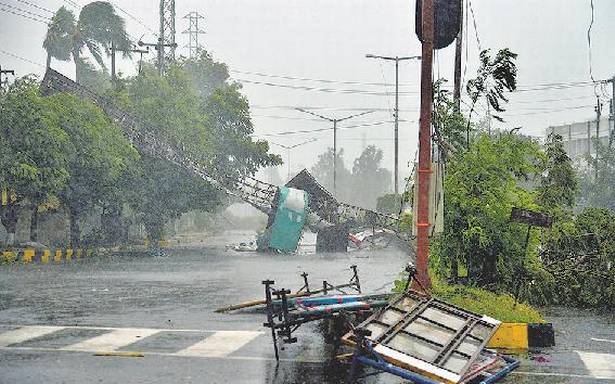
{"x":24,"y":16}
{"x":326,"y":90}
{"x":21,"y":58}
{"x":326,"y":81}
{"x":25,"y":11}
{"x":36,"y":6}
{"x":480,"y":48}
{"x":134,"y":18}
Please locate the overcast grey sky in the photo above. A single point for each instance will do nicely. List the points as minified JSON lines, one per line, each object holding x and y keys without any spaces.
{"x":328,"y":40}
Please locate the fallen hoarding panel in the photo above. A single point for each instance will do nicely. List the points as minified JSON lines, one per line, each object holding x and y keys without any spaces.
{"x":427,"y":336}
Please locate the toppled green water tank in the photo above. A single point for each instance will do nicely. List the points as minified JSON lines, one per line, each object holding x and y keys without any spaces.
{"x":289,"y":219}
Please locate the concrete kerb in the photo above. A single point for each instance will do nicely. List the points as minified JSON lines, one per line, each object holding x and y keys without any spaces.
{"x":522,"y":336}
{"x":44,"y":256}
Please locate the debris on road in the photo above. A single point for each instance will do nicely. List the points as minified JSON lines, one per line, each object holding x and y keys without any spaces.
{"x":425,"y":340}
{"x":354,"y":284}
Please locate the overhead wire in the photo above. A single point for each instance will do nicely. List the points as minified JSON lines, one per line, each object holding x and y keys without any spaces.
{"x":24,"y":16}
{"x":21,"y":58}
{"x":18,"y":9}
{"x":36,"y":6}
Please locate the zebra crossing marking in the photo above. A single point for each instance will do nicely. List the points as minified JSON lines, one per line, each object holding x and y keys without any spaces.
{"x":214,"y":343}
{"x":113,"y":340}
{"x":219,"y":344}
{"x":600,"y":365}
{"x":22,"y":334}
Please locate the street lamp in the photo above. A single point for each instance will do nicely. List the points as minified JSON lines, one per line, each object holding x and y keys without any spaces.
{"x":334,"y":121}
{"x":291,"y":147}
{"x":397,"y":59}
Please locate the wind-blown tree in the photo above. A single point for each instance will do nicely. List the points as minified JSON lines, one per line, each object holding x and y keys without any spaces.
{"x":494,"y":78}
{"x":97,"y":27}
{"x":598,"y":181}
{"x":323,"y":172}
{"x":97,"y":155}
{"x":449,"y":123}
{"x":369,"y":178}
{"x":559,"y":184}
{"x":32,"y":159}
{"x":212,"y":128}
{"x":482,"y":185}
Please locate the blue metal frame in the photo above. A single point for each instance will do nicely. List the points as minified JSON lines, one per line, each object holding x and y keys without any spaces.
{"x":511,"y":365}
{"x":364,"y":354}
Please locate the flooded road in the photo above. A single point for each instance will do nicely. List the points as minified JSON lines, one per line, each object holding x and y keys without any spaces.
{"x":163,"y":307}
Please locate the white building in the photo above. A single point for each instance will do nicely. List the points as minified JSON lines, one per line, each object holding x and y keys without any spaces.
{"x":579,"y":137}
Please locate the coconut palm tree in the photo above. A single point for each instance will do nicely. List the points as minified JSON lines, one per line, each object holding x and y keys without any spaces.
{"x":96,"y":29}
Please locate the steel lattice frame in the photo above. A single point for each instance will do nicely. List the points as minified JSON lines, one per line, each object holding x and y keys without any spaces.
{"x":193,"y":33}
{"x":167,"y":28}
{"x":259,"y":194}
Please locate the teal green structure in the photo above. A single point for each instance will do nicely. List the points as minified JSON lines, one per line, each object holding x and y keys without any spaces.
{"x":289,"y":219}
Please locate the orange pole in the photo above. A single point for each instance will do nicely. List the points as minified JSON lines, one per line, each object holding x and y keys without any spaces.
{"x":424,"y":171}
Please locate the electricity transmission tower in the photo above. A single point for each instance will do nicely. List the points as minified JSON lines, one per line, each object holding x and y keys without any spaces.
{"x":193,"y":32}
{"x":167,"y":29}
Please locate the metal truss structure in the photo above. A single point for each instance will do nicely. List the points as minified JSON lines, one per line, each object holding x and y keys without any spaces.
{"x":193,"y":33}
{"x":259,"y":194}
{"x":167,"y":29}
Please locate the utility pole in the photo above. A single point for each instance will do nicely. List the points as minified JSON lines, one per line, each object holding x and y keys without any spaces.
{"x":159,"y":47}
{"x":424,"y":169}
{"x":598,"y":109}
{"x":131,"y":50}
{"x":5,"y":72}
{"x":167,"y":29}
{"x":396,"y":59}
{"x":289,"y":148}
{"x":612,"y":112}
{"x":334,"y":121}
{"x":458,"y":51}
{"x":193,"y":32}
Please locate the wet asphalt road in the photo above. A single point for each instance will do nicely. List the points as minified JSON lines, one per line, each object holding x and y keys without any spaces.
{"x":167,"y":304}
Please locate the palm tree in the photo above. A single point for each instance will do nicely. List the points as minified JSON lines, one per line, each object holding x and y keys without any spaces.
{"x":97,"y":27}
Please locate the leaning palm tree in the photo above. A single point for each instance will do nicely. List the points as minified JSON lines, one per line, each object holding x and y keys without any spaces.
{"x":96,"y":29}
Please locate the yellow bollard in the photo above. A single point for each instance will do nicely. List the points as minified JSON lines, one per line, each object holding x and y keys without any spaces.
{"x":45,"y":256}
{"x":58,"y":256}
{"x":69,"y":254}
{"x":78,"y":253}
{"x":28,"y":255}
{"x":9,"y":256}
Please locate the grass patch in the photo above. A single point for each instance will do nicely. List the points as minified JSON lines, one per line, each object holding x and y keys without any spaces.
{"x":480,"y":301}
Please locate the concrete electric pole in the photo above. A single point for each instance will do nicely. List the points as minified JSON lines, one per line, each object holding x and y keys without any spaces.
{"x":334,"y":121}
{"x":132,"y":50}
{"x":458,"y":52}
{"x":396,"y":59}
{"x":424,"y":168}
{"x":193,"y":33}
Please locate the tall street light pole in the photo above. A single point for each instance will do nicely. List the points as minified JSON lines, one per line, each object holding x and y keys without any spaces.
{"x":334,"y":121}
{"x":396,"y":59}
{"x":290,"y":148}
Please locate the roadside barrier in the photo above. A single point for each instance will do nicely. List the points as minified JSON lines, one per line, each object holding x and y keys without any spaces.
{"x":523,"y":336}
{"x":44,"y":256}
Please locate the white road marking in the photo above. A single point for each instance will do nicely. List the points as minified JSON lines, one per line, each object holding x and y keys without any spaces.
{"x":113,"y":340}
{"x":599,"y":365}
{"x":219,"y":344}
{"x":604,"y":340}
{"x":25,"y":333}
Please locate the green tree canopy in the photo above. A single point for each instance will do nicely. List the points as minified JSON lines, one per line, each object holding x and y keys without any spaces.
{"x":33,"y":160}
{"x":97,"y":27}
{"x":97,"y":156}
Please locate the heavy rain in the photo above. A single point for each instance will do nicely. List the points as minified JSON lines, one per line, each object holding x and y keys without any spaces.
{"x":313,"y":192}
